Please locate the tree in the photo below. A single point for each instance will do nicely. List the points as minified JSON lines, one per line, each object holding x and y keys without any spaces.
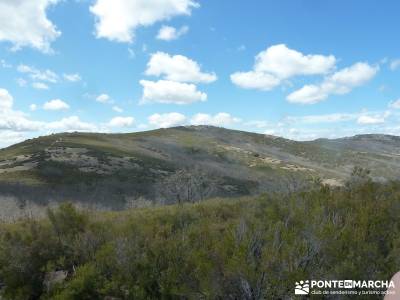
{"x":187,"y":185}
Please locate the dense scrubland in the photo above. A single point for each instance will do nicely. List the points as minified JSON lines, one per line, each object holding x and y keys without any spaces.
{"x":247,"y":248}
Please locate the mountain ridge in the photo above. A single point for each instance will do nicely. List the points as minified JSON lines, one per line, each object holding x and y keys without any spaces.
{"x":120,"y":168}
{"x":357,"y":136}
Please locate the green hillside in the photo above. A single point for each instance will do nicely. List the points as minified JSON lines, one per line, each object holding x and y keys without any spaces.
{"x":158,"y":167}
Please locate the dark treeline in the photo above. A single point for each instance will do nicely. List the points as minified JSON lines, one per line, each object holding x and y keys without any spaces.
{"x":253,"y":248}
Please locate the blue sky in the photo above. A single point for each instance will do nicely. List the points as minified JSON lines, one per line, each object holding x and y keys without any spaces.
{"x":300,"y":69}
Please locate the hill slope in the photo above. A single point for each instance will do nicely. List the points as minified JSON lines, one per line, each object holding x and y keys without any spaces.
{"x":183,"y":164}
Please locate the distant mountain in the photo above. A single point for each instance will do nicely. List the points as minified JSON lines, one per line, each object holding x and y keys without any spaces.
{"x":183,"y":164}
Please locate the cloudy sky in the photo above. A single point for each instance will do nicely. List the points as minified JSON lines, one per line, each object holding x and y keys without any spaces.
{"x":300,"y":69}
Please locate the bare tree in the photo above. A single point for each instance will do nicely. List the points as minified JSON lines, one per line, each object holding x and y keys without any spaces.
{"x":187,"y":185}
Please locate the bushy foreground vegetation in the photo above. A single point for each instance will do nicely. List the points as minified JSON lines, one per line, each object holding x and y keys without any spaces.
{"x":219,"y":249}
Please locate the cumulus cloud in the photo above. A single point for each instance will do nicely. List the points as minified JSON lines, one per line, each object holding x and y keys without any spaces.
{"x":103,"y":98}
{"x":17,"y":121}
{"x":164,"y":91}
{"x":220,"y":119}
{"x":283,"y":62}
{"x":72,"y":123}
{"x":8,"y":137}
{"x":25,"y":23}
{"x":36,"y":74}
{"x":255,"y":80}
{"x":55,"y":104}
{"x":121,"y":122}
{"x":395,"y":104}
{"x":339,"y":83}
{"x":278,"y":63}
{"x":72,"y":77}
{"x":6,"y":100}
{"x":169,"y":33}
{"x":13,"y":120}
{"x":167,"y":120}
{"x":14,"y":124}
{"x":118,"y":20}
{"x":178,"y":75}
{"x":177,"y":68}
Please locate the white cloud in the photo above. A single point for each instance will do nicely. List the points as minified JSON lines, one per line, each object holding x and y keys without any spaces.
{"x":17,"y":121}
{"x":339,"y":83}
{"x":308,"y":94}
{"x":164,"y":91}
{"x":40,"y":76}
{"x":283,"y":62}
{"x":103,"y":98}
{"x":13,"y":124}
{"x":220,"y":119}
{"x":255,"y":80}
{"x":353,"y":76}
{"x":394,"y":64}
{"x":40,"y":86}
{"x":169,"y":33}
{"x":121,"y":122}
{"x":72,"y":123}
{"x":177,"y":72}
{"x":167,"y":120}
{"x":370,"y":120}
{"x":25,"y":23}
{"x":13,"y":120}
{"x":278,"y":63}
{"x":395,"y":104}
{"x":118,"y":20}
{"x":6,"y":100}
{"x":55,"y":104}
{"x":8,"y":137}
{"x":35,"y":74}
{"x":72,"y":77}
{"x":117,"y":109}
{"x":177,"y":68}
